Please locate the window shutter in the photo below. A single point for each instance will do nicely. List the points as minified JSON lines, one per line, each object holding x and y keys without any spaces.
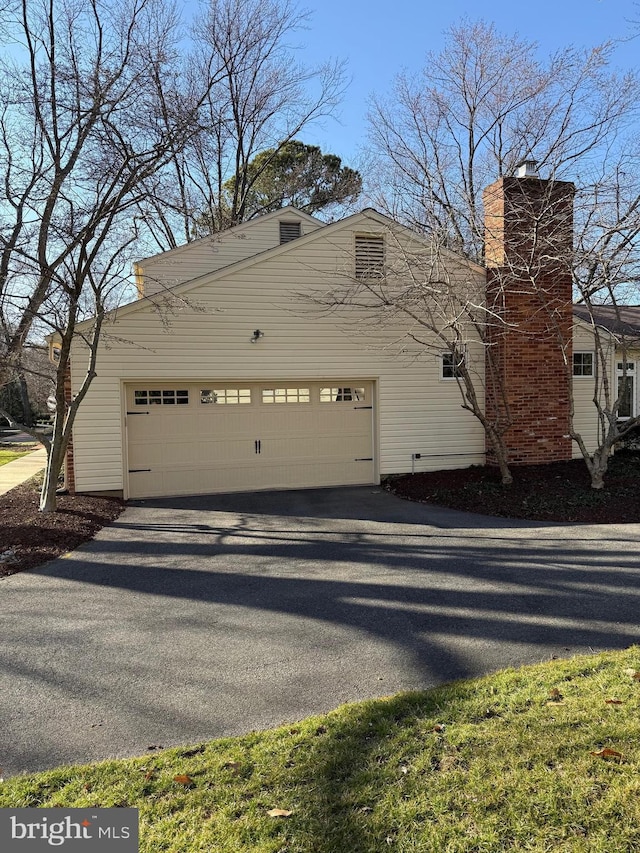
{"x":289,"y":231}
{"x":369,"y":256}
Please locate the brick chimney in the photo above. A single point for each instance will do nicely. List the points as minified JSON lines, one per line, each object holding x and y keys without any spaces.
{"x":528,"y":245}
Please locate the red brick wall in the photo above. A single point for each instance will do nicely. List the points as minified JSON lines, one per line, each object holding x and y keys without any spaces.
{"x":528,"y":243}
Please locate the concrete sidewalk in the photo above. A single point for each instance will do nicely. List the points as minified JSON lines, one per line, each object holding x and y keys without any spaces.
{"x":14,"y":473}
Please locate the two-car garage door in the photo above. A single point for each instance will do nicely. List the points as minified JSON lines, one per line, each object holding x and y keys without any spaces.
{"x":197,"y":438}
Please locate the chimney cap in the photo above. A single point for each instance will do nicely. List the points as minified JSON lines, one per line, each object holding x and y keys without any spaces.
{"x":527,"y":168}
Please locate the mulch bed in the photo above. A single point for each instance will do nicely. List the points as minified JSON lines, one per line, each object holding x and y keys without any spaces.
{"x":559,"y":492}
{"x":35,"y":537}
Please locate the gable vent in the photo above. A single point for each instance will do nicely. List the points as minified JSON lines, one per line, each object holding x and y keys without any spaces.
{"x":369,"y":256}
{"x":289,"y":231}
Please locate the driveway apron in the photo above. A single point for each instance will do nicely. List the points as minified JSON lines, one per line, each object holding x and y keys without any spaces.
{"x":193,"y":618}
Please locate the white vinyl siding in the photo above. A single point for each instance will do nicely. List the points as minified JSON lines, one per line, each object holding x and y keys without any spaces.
{"x":219,"y":250}
{"x":210,"y":341}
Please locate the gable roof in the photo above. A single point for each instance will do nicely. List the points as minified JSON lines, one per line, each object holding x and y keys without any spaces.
{"x":363,"y":219}
{"x":236,"y":230}
{"x":623,"y":321}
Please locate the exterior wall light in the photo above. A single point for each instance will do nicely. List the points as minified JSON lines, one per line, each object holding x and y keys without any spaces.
{"x":256,"y":336}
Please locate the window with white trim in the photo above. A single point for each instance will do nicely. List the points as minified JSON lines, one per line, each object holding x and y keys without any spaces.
{"x":450,"y":364}
{"x":285,"y":395}
{"x":164,"y":397}
{"x":225,"y":396}
{"x":583,"y":364}
{"x":341,"y":395}
{"x":369,"y":255}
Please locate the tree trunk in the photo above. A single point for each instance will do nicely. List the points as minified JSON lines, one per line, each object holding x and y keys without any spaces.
{"x":598,"y":466}
{"x":48,"y":500}
{"x":25,"y":401}
{"x":500,"y":452}
{"x":55,"y":458}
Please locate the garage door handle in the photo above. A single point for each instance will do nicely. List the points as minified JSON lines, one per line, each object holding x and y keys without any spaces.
{"x":258,"y":444}
{"x":363,"y":407}
{"x":364,"y":459}
{"x":137,"y":413}
{"x":138,"y":470}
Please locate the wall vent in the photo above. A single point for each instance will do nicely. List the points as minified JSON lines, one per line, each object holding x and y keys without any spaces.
{"x":290,"y":231}
{"x":369,"y":256}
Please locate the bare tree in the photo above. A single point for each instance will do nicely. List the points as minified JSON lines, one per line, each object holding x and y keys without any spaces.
{"x":261,"y":98}
{"x":606,"y":274}
{"x":480,"y":107}
{"x":81,"y":130}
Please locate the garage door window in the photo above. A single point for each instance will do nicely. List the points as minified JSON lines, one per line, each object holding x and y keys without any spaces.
{"x":285,"y":395}
{"x":168,"y":397}
{"x":341,"y":395}
{"x":225,"y":396}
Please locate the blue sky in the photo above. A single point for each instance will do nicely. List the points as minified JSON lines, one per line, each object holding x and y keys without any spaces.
{"x":380,"y":39}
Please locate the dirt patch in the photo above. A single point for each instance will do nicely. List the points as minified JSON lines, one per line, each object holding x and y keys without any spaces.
{"x":33,"y":537}
{"x":556,"y":492}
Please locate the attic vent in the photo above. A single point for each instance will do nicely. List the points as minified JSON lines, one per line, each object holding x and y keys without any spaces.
{"x":289,"y":231}
{"x":369,"y":256}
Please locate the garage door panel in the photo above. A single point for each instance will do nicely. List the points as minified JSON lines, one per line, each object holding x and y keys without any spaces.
{"x":225,"y":423}
{"x":293,"y":441}
{"x":231,"y":451}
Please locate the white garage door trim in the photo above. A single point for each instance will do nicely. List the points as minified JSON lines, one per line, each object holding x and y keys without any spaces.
{"x":219,"y":436}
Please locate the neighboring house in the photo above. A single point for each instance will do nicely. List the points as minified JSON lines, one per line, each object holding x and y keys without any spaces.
{"x":226,"y":375}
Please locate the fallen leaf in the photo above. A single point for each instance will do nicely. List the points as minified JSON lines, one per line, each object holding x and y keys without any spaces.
{"x":634,"y":673}
{"x":608,"y":753}
{"x":87,"y":786}
{"x":183,"y":779}
{"x":366,"y":809}
{"x":234,"y":766}
{"x":439,"y":727}
{"x":404,"y":769}
{"x":279,"y":813}
{"x":155,"y":746}
{"x":613,"y":701}
{"x":555,"y":695}
{"x":149,"y":775}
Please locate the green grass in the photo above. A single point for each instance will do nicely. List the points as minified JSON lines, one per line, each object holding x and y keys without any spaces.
{"x":507,"y":772}
{"x":9,"y":455}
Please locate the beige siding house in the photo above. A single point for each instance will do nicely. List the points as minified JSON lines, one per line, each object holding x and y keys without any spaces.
{"x":235,"y":379}
{"x":229,"y":373}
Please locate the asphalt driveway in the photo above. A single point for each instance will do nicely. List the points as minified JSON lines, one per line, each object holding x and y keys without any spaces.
{"x":193,"y":618}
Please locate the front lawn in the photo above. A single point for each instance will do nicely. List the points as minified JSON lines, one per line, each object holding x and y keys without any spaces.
{"x":545,"y":758}
{"x":9,"y":455}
